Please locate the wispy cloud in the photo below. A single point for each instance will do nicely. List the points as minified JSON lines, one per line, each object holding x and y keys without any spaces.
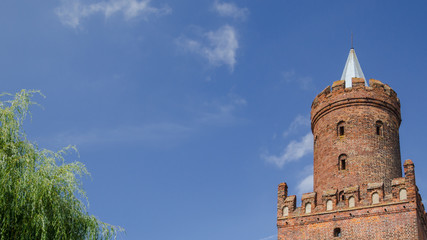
{"x":294,"y":151}
{"x":299,"y":121}
{"x":306,"y":183}
{"x":218,"y":47}
{"x":71,"y":12}
{"x":225,"y":9}
{"x":148,"y":133}
{"x":222,"y":111}
{"x":269,"y":237}
{"x":304,"y":82}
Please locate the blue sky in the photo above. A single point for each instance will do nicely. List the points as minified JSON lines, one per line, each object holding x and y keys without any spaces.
{"x":188,"y":114}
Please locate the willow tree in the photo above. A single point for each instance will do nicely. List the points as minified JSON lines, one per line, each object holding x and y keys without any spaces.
{"x":41,"y":195}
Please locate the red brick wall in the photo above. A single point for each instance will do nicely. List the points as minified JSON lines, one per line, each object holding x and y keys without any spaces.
{"x":392,"y":218}
{"x":370,"y":157}
{"x":368,"y":223}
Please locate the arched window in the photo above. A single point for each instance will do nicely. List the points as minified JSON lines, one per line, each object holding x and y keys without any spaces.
{"x":351,"y":202}
{"x":342,"y":162}
{"x":337,"y":232}
{"x":341,"y":129}
{"x":285,"y":212}
{"x":308,"y":208}
{"x":329,"y":204}
{"x":375,"y":198}
{"x":379,"y":128}
{"x":403,"y":195}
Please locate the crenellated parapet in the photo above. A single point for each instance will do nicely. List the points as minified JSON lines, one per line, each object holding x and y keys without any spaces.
{"x":351,"y":200}
{"x":377,"y":94}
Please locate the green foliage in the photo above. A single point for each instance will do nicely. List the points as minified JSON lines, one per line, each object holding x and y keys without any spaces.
{"x":40,"y":194}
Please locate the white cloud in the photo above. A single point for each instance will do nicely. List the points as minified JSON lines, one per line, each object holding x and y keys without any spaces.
{"x":219,"y":47}
{"x":299,"y":121}
{"x":71,"y":12}
{"x":306,"y":185}
{"x":222,"y":112}
{"x":294,"y":151}
{"x":270,"y":237}
{"x":305,"y":83}
{"x":230,"y":10}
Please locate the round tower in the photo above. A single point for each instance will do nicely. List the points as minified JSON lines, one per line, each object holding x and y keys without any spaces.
{"x":356,"y":133}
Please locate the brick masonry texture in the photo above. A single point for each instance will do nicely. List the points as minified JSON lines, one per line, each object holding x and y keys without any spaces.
{"x":368,"y":197}
{"x":371,"y":223}
{"x":370,"y":157}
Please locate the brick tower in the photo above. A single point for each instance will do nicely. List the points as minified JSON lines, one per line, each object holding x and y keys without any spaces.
{"x":359,"y":191}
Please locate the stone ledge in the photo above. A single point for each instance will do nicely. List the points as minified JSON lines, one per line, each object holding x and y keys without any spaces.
{"x":398,"y":181}
{"x":330,"y":192}
{"x":375,"y":185}
{"x":351,"y":189}
{"x":308,"y":195}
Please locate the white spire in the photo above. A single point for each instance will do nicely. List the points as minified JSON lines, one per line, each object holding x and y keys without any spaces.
{"x":352,"y":69}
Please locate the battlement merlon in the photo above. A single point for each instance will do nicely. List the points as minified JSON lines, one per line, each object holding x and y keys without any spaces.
{"x":282,"y":193}
{"x":338,"y":96}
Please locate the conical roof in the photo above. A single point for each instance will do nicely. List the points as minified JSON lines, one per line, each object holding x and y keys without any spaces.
{"x":352,"y":69}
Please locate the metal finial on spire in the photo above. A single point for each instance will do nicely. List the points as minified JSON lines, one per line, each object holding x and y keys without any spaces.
{"x":352,"y":69}
{"x":352,"y":40}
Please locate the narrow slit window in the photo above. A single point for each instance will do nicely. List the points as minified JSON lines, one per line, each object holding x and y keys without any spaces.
{"x":341,"y":129}
{"x":342,"y":162}
{"x":379,"y":128}
{"x":341,"y":196}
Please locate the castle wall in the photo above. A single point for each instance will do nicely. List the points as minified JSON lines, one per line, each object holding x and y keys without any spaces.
{"x":377,"y":223}
{"x":399,"y":214}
